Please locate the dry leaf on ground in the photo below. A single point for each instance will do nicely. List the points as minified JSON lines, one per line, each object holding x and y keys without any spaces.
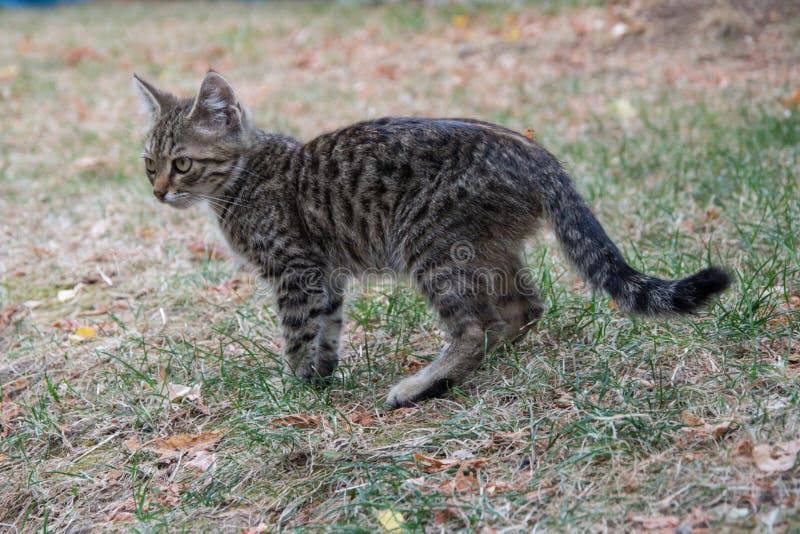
{"x":176,"y":445}
{"x":7,"y":315}
{"x":68,"y":294}
{"x":697,"y":427}
{"x":204,"y":461}
{"x":178,"y":392}
{"x":743,"y":447}
{"x":297,"y":420}
{"x":656,"y":522}
{"x":85,"y":332}
{"x":777,"y":457}
{"x":361,"y":417}
{"x":391,"y":521}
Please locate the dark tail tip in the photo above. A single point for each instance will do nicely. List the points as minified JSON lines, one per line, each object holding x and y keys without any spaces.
{"x":693,"y":292}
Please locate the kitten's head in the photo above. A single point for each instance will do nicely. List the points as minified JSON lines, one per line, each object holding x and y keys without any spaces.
{"x":194,"y":146}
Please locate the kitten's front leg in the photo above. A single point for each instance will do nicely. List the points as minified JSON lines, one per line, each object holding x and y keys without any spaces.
{"x":300,"y":294}
{"x":327,"y":348}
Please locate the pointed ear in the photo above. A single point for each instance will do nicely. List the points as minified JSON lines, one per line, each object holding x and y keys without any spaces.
{"x":216,"y":103}
{"x":154,"y":102}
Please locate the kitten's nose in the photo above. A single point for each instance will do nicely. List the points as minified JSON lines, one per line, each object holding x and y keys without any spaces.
{"x":160,"y":193}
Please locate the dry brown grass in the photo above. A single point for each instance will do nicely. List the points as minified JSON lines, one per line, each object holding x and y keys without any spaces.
{"x":581,"y":428}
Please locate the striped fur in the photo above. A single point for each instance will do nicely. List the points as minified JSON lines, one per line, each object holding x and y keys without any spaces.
{"x":448,"y":202}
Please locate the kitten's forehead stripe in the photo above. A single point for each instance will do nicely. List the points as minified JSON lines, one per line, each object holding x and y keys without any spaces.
{"x":450,"y":203}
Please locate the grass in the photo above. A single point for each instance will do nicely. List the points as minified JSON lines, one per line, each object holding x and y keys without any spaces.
{"x":581,"y":427}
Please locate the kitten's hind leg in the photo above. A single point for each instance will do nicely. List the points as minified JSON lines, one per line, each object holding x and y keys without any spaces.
{"x":474,"y":328}
{"x":518,"y":303}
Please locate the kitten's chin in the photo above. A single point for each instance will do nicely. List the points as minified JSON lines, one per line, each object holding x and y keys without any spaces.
{"x":179,"y":201}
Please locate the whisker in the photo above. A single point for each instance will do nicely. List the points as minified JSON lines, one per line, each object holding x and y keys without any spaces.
{"x":219,"y":204}
{"x":220,"y":199}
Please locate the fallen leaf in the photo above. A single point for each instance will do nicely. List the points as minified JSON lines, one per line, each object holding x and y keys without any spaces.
{"x":530,"y":133}
{"x":204,"y":461}
{"x":432,"y":465}
{"x":699,"y":428}
{"x":777,"y":457}
{"x":185,"y":441}
{"x":657,"y":522}
{"x":8,"y":412}
{"x":178,"y":392}
{"x":361,"y":417}
{"x":411,"y":363}
{"x":391,"y":521}
{"x":464,"y":481}
{"x":177,"y":445}
{"x":7,"y":314}
{"x":85,"y":332}
{"x":743,"y":448}
{"x":297,"y":420}
{"x":68,"y":294}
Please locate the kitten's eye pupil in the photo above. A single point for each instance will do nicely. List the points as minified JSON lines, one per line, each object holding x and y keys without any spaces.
{"x":149,"y":165}
{"x":182,"y":164}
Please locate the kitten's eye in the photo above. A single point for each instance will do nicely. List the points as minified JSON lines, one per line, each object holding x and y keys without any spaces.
{"x":149,"y":165}
{"x":182,"y":164}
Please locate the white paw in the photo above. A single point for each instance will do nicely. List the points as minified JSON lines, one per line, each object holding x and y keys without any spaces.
{"x":416,"y":388}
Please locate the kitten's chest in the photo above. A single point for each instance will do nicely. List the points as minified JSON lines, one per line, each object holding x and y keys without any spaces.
{"x":262,"y":238}
{"x":235,"y":244}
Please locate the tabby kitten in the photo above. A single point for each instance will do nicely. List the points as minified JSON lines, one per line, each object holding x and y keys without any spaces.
{"x":448,"y":202}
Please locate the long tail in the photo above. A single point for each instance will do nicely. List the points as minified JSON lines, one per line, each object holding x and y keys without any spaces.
{"x":601,"y":264}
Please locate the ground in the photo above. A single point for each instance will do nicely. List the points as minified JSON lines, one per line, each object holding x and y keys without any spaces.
{"x":139,"y":367}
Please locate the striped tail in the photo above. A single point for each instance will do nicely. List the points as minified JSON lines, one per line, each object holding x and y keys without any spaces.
{"x":601,"y":264}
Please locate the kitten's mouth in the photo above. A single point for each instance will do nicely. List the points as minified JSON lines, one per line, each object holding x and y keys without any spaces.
{"x":179,"y":200}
